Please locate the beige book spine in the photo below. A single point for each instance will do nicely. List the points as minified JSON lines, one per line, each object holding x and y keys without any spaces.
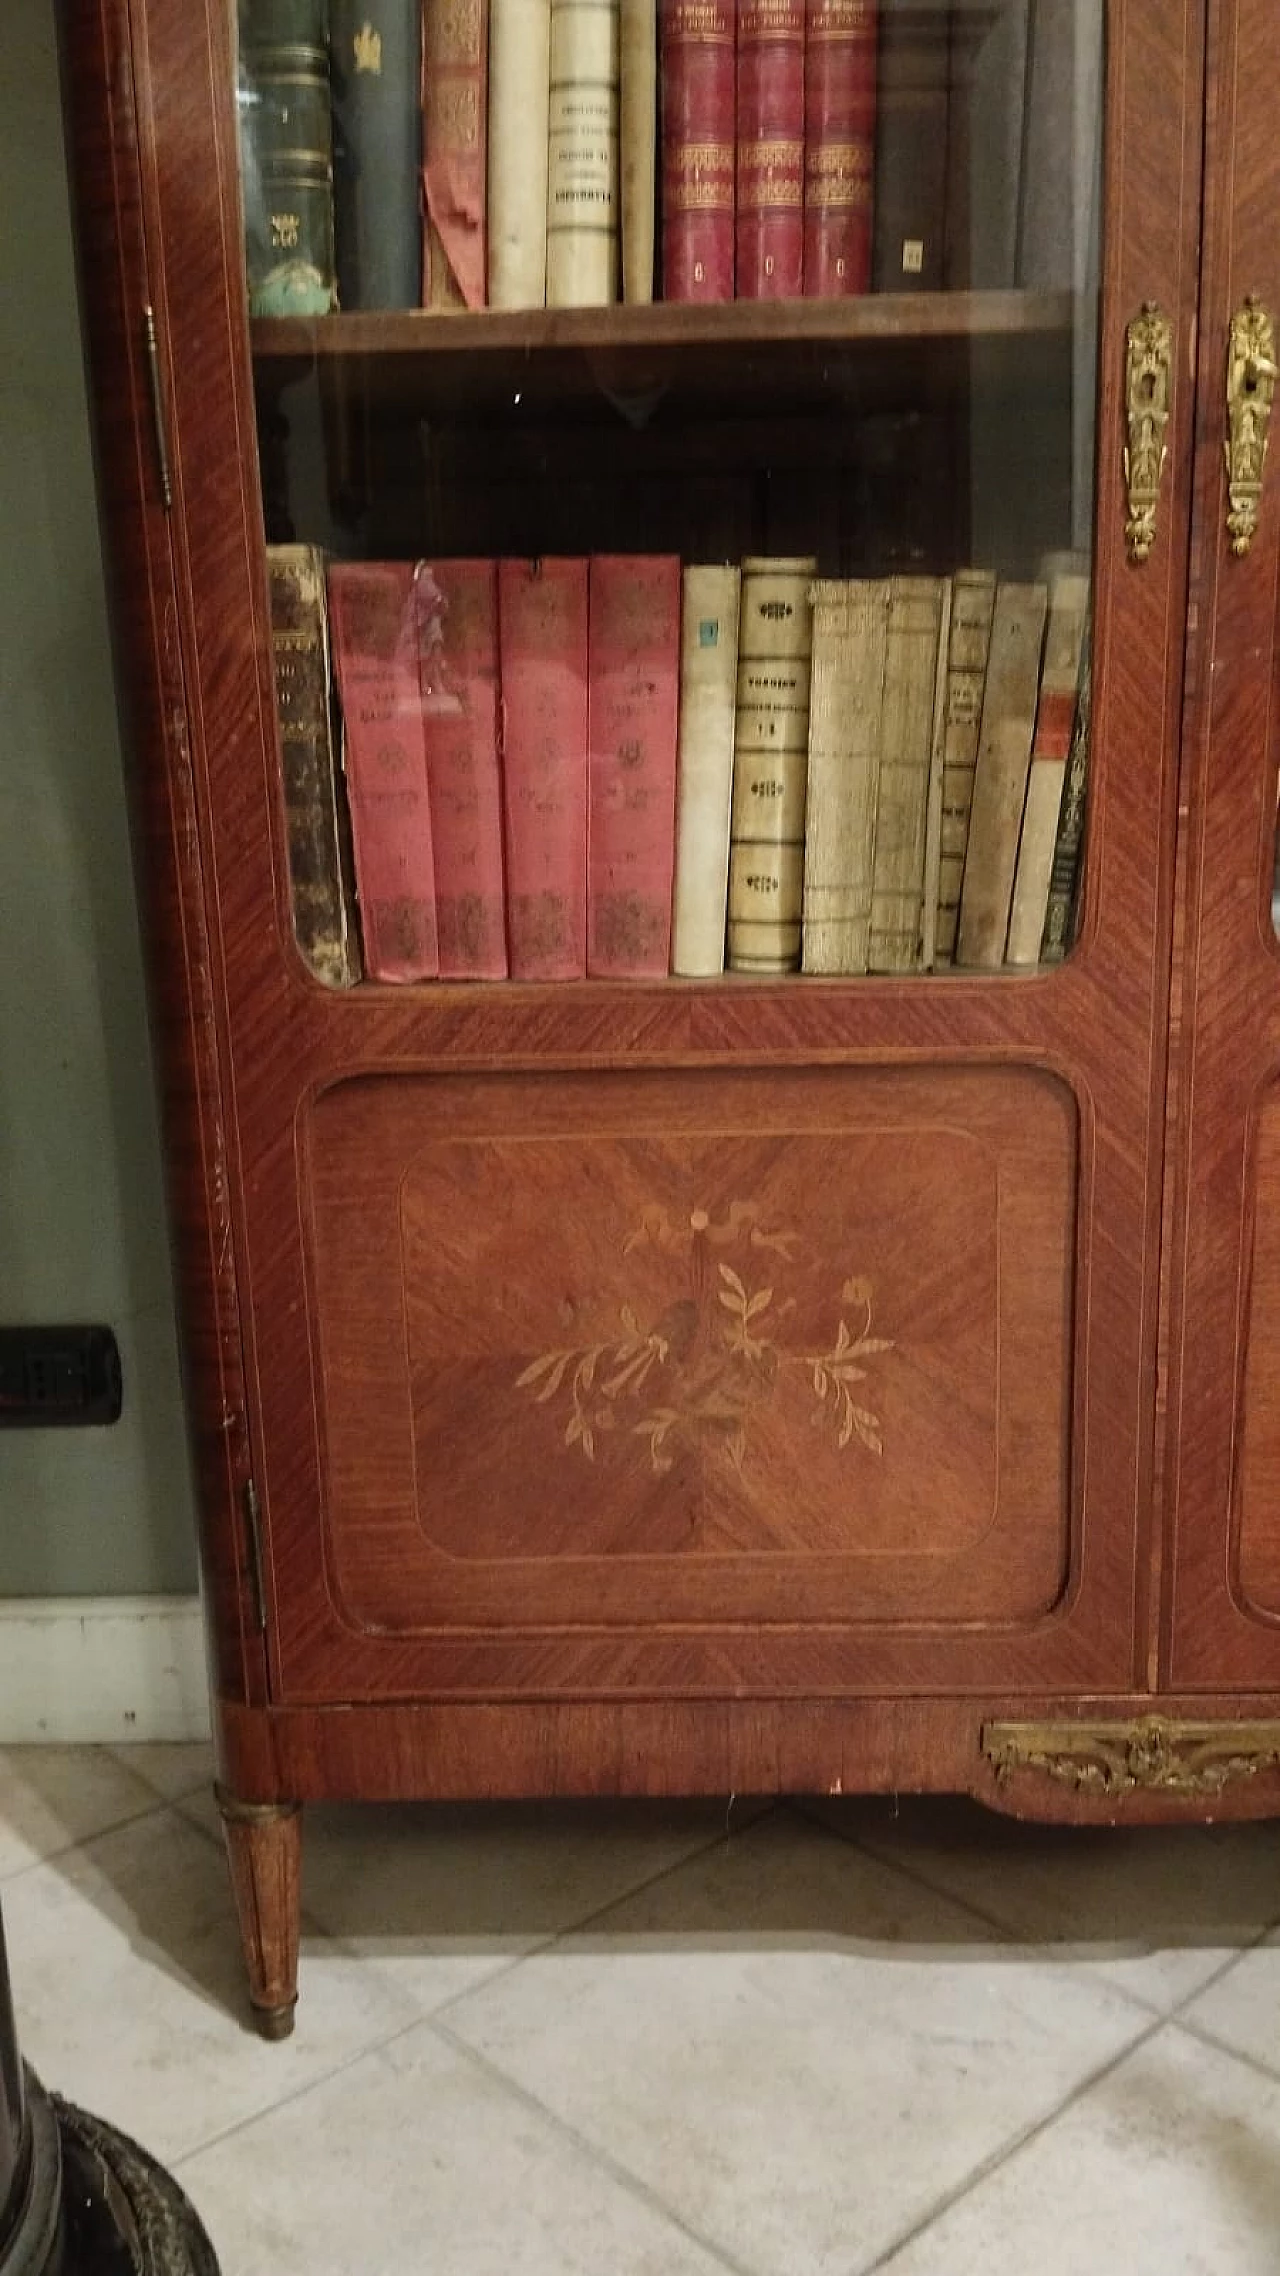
{"x":519,"y":103}
{"x":704,"y":784}
{"x":973,"y":601}
{"x":902,"y":797}
{"x":582,"y":155}
{"x":937,"y":761}
{"x":1055,"y":723}
{"x":1000,"y":777}
{"x":850,"y":631}
{"x":765,"y":882}
{"x":771,"y":755}
{"x":639,"y":146}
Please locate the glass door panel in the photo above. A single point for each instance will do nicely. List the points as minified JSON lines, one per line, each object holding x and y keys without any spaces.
{"x":677,"y":445}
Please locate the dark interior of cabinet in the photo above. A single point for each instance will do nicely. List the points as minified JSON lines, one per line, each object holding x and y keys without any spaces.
{"x":918,"y":447}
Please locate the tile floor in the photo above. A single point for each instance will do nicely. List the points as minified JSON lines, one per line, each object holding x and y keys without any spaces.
{"x":669,"y":2041}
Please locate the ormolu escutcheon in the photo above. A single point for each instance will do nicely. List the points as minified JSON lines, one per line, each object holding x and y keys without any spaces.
{"x":1148,"y":396}
{"x":1252,"y":372}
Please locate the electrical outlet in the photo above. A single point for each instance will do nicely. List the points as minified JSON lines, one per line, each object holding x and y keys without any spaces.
{"x":51,"y":1377}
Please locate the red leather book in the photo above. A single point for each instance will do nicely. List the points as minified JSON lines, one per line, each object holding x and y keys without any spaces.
{"x":770,"y":223}
{"x":635,"y":704}
{"x":839,"y":145}
{"x":375,"y":656}
{"x":699,"y":103}
{"x":455,"y":110}
{"x":457,"y":616}
{"x":542,"y":636}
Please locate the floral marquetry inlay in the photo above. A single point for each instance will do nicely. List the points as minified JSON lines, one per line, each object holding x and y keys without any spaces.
{"x":703,"y":1367}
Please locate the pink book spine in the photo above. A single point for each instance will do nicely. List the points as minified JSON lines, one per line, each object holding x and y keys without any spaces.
{"x":542,"y":636}
{"x":375,"y":654}
{"x":635,"y":682}
{"x":457,"y":618}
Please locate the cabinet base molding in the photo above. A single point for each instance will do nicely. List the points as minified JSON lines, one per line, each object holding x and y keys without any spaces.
{"x":1148,"y":1755}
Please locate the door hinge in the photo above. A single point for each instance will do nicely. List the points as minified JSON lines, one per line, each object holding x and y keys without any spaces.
{"x":151,"y":344}
{"x":253,"y":1535}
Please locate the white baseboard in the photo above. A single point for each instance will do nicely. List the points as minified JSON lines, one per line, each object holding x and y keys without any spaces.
{"x":102,"y":1670}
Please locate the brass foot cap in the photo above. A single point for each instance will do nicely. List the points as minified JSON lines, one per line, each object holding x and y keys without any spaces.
{"x":275,"y":2022}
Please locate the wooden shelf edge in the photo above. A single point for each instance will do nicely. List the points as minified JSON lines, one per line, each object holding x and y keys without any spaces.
{"x":878,"y":319}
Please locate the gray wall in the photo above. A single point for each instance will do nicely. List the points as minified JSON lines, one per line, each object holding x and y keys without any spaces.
{"x":82,"y":1231}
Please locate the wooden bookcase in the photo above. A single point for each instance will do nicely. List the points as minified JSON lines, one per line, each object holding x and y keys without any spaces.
{"x":1058,"y":1587}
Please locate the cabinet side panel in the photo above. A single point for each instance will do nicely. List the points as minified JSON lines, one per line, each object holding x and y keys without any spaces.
{"x":98,"y":85}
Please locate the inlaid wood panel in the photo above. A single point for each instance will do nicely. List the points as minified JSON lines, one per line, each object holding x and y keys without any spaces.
{"x":593,"y":1355}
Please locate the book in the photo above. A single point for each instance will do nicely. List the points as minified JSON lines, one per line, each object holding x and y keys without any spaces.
{"x":1064,"y":877}
{"x":1000,"y":774}
{"x":582,"y":154}
{"x":902,"y":795}
{"x":286,"y":156}
{"x":1050,"y":188}
{"x":519,"y":110}
{"x":634,"y":686}
{"x":375,"y":658}
{"x":973,"y":600}
{"x":456,"y":610}
{"x":377,"y":152}
{"x":766,"y":893}
{"x":769,"y":255}
{"x":542,"y":645}
{"x":710,"y":605}
{"x":638,"y":146}
{"x":986,"y":102}
{"x":1055,"y":726}
{"x":699,"y":140}
{"x":850,"y":638}
{"x":937,"y":769}
{"x":455,"y":112}
{"x":314,"y":799}
{"x":910,"y":206}
{"x":770,"y":765}
{"x":840,"y":44}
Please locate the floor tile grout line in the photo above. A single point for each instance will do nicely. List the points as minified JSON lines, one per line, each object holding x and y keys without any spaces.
{"x":350,"y":1945}
{"x":205,"y":1785}
{"x":989,"y":2166}
{"x":596,"y":2155}
{"x":178,"y":2161}
{"x":151,"y":1808}
{"x":1206,"y":2037}
{"x":1029,"y":1941}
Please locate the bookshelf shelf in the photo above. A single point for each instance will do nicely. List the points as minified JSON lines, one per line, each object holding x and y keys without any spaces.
{"x":927,"y":343}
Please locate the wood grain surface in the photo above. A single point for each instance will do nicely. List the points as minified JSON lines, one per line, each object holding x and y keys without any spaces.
{"x":321,"y":1207}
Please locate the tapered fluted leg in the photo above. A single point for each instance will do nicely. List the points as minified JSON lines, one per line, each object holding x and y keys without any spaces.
{"x":264,"y":1852}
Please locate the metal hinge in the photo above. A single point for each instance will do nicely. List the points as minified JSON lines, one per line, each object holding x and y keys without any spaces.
{"x":151,"y":344}
{"x":253,"y":1532}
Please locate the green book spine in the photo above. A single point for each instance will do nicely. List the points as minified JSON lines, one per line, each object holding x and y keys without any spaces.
{"x":286,"y":156}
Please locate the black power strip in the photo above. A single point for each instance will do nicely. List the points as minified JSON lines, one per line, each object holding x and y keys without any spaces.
{"x":52,"y":1377}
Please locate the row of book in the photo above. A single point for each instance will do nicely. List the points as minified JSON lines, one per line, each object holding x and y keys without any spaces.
{"x":571,"y":153}
{"x":618,"y":767}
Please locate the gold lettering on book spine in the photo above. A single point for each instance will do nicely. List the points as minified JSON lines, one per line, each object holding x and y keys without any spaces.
{"x":368,"y":50}
{"x":454,"y":28}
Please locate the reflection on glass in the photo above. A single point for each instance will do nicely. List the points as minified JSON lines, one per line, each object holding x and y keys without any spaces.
{"x":639,"y":638}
